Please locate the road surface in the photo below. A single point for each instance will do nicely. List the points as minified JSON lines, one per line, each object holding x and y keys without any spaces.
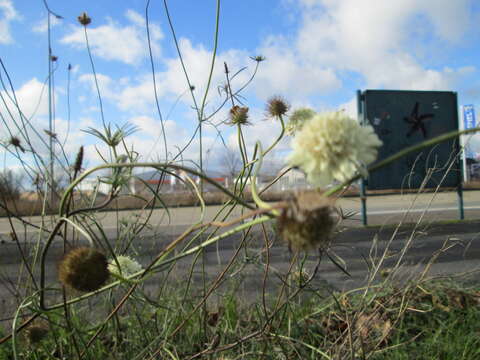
{"x":358,"y":247}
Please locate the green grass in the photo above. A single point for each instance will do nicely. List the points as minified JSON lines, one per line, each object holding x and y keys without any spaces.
{"x":434,"y":321}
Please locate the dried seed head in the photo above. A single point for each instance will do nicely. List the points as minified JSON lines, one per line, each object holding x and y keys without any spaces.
{"x":36,"y":332}
{"x":277,"y":106}
{"x":53,"y":58}
{"x":78,"y":161}
{"x":239,"y":115}
{"x":49,"y":133}
{"x":308,"y":221}
{"x":84,"y":269}
{"x":84,"y":19}
{"x":258,"y":58}
{"x":15,"y":141}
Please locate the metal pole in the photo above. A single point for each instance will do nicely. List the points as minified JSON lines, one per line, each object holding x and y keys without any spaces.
{"x":363,"y":198}
{"x":461,"y":211}
{"x":50,"y":114}
{"x":460,"y":172}
{"x":363,"y":194}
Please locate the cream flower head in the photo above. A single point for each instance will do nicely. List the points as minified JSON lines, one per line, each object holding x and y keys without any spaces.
{"x":128,"y":266}
{"x":331,"y":146}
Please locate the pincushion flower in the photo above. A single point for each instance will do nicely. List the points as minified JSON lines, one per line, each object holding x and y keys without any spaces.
{"x":331,"y":146}
{"x":128,"y":266}
{"x":297,"y":119}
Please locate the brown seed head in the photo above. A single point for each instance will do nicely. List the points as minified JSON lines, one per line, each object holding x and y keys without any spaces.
{"x":83,"y":269}
{"x":78,"y":161}
{"x":15,"y":141}
{"x":239,"y":115}
{"x":53,"y":58}
{"x":36,"y":332}
{"x":308,"y":221}
{"x":84,"y":19}
{"x":277,"y":106}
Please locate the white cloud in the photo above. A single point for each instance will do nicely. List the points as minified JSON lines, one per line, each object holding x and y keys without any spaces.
{"x":137,"y":94}
{"x":288,"y":73}
{"x":31,"y":99}
{"x":31,"y":128}
{"x":197,"y":60}
{"x":42,"y":26}
{"x":113,"y":41}
{"x":377,"y":40}
{"x":350,"y":108}
{"x":8,"y":14}
{"x":105,"y":84}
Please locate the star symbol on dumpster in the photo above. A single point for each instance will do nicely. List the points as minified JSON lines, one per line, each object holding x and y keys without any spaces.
{"x":416,"y":121}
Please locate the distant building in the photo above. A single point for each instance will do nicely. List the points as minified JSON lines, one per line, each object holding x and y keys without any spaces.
{"x":176,"y":181}
{"x":293,"y":179}
{"x":93,"y":185}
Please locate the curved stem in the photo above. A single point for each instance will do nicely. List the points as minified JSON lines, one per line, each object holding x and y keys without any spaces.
{"x":279,"y":136}
{"x":253,"y":182}
{"x":212,"y":65}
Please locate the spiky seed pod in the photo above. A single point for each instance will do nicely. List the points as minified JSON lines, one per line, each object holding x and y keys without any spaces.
{"x":36,"y":332}
{"x":78,"y":160}
{"x":308,"y":221}
{"x":83,"y":269}
{"x":239,"y":115}
{"x":277,"y":106}
{"x":84,"y":19}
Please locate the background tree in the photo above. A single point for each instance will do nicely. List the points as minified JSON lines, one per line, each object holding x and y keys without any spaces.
{"x":10,"y":184}
{"x":230,"y":163}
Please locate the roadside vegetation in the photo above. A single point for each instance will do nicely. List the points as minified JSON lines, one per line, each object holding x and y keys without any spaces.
{"x":101,"y":302}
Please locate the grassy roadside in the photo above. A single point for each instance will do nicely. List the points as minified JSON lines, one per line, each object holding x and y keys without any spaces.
{"x":431,"y":320}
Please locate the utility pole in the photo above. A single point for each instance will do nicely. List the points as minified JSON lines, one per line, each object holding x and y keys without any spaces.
{"x":51,"y":127}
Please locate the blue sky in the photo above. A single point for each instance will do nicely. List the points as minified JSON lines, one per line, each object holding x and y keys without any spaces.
{"x":318,"y":53}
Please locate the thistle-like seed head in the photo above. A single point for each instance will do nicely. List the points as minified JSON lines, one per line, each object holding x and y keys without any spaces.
{"x":239,"y":115}
{"x":84,"y":19}
{"x":277,"y":106}
{"x":84,"y":269}
{"x":308,"y":221}
{"x":36,"y":332}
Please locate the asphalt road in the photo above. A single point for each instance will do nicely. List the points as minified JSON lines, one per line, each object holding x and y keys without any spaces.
{"x":359,"y":248}
{"x":381,"y":210}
